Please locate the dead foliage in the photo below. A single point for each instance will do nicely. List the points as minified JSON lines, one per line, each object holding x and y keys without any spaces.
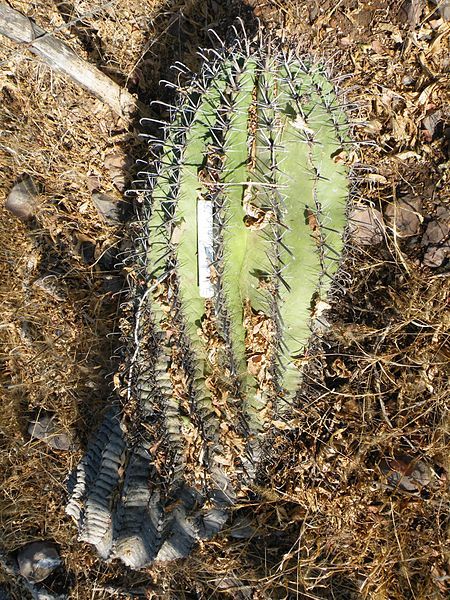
{"x":354,"y":503}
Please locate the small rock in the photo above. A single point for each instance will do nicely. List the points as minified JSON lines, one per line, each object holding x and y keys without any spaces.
{"x":87,"y":252}
{"x":49,"y":285}
{"x":410,"y":12}
{"x":366,"y":225}
{"x":235,"y":587}
{"x":405,"y":216}
{"x":408,"y":80}
{"x":112,"y":284}
{"x":44,"y":594}
{"x":107,"y":207}
{"x":434,"y":257}
{"x":22,"y":199}
{"x":37,"y":560}
{"x":93,"y":182}
{"x":446,"y":135}
{"x":109,"y":259}
{"x":406,"y":473}
{"x":45,"y":427}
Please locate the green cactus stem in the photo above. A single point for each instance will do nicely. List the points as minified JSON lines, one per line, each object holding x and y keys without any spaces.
{"x":254,"y":144}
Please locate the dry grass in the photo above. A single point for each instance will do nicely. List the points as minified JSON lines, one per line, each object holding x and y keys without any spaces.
{"x":325,"y":522}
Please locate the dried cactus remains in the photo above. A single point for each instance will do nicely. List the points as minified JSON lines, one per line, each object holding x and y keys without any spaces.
{"x":240,"y":237}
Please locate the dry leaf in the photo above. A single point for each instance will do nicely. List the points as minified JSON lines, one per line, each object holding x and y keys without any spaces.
{"x":406,"y":473}
{"x":405,"y":216}
{"x":366,"y":225}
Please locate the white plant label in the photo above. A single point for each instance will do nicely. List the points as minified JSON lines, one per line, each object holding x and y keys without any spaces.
{"x":205,"y":247}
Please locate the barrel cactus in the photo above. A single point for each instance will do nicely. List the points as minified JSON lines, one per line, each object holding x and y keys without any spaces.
{"x":240,"y":236}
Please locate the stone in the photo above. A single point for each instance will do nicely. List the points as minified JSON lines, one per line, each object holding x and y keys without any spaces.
{"x":44,"y":594}
{"x":49,"y":284}
{"x":431,"y":123}
{"x":46,"y":428}
{"x":366,"y":226}
{"x":118,"y":165}
{"x":22,"y":199}
{"x":37,"y":560}
{"x":405,"y":216}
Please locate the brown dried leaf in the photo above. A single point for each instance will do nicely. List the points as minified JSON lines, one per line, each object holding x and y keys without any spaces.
{"x":366,"y":225}
{"x":436,"y":238}
{"x":405,"y":216}
{"x":406,"y":473}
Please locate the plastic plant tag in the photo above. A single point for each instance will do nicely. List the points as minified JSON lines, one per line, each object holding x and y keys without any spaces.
{"x":205,"y":247}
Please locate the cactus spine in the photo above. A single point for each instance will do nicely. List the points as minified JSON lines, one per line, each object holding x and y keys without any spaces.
{"x":254,"y":138}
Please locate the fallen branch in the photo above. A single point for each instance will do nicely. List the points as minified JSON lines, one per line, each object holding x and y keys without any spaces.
{"x":58,"y":56}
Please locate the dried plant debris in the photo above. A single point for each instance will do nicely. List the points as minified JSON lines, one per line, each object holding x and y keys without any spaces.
{"x":251,"y":146}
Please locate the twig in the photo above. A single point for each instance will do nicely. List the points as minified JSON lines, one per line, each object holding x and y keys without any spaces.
{"x":60,"y":57}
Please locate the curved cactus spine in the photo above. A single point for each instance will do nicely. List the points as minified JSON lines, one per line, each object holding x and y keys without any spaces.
{"x":253,"y":143}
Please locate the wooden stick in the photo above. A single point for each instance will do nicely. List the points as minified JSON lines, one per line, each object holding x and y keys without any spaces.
{"x":58,"y":56}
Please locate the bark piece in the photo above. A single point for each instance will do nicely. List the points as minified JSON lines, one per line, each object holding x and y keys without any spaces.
{"x":63,"y":59}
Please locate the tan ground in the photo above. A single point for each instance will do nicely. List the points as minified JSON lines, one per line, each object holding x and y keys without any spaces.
{"x":326,"y":524}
